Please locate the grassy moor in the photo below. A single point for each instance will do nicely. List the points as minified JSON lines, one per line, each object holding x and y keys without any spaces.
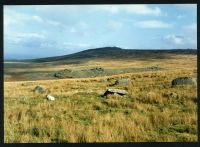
{"x":152,"y":110}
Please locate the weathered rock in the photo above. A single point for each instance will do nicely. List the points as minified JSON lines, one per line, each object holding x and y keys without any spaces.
{"x":51,"y":98}
{"x":59,"y":75}
{"x":183,"y":81}
{"x":117,"y":91}
{"x":97,"y":69}
{"x":39,"y":89}
{"x":174,"y":95}
{"x":153,"y":68}
{"x":122,"y":81}
{"x":67,"y":70}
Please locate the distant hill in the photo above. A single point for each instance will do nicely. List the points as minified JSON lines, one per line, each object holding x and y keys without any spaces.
{"x":115,"y":53}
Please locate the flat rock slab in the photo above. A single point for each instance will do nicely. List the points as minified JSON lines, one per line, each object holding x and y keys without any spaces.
{"x":117,"y":91}
{"x":183,"y":81}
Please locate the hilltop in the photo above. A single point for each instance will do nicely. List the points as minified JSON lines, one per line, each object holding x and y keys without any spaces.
{"x":115,"y":53}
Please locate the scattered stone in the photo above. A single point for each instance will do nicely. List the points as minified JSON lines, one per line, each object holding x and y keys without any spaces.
{"x":51,"y":98}
{"x":97,"y":69}
{"x":39,"y":89}
{"x":174,"y":95}
{"x":183,"y":81}
{"x":153,"y":68}
{"x":67,"y":70}
{"x":59,"y":75}
{"x":122,"y":81}
{"x":117,"y":91}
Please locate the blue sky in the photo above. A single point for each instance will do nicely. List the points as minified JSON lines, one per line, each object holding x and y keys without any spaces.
{"x":43,"y":31}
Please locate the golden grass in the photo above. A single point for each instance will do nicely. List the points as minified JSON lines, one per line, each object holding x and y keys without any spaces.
{"x":80,"y":114}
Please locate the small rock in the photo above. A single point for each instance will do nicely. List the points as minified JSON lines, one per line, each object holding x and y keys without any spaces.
{"x":49,"y":97}
{"x":174,"y":95}
{"x":67,"y":70}
{"x":39,"y":89}
{"x":97,"y":69}
{"x":153,"y":68}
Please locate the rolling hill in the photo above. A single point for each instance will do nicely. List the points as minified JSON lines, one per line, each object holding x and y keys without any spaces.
{"x":115,"y":53}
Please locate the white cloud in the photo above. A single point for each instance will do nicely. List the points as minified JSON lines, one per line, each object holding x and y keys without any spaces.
{"x":37,"y":18}
{"x":14,"y":18}
{"x":83,"y":24}
{"x":175,"y":39}
{"x":180,"y":16}
{"x":25,"y":39}
{"x":72,"y":30}
{"x":154,"y":24}
{"x":181,"y":41}
{"x":143,"y":10}
{"x":114,"y":25}
{"x":192,"y":28}
{"x":41,"y":41}
{"x":187,"y":6}
{"x":191,"y":32}
{"x":109,"y":8}
{"x":53,"y":23}
{"x":68,"y":45}
{"x":139,"y":9}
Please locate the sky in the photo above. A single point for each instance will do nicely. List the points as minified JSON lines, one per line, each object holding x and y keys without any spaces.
{"x":52,"y":30}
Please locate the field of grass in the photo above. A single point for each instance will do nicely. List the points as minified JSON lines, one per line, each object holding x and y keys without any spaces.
{"x":81,"y":113}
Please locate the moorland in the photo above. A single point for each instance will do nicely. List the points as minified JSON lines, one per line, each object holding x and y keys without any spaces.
{"x":153,"y":110}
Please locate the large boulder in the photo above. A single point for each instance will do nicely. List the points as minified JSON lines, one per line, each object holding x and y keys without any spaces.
{"x":183,"y":81}
{"x":115,"y":91}
{"x":39,"y":89}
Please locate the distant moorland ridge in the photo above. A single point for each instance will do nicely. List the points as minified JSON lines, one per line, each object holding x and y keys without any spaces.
{"x":115,"y":53}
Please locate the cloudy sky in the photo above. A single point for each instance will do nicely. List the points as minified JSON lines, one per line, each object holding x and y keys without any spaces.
{"x":42,"y":31}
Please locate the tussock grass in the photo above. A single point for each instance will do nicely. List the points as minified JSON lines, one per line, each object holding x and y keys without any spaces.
{"x":81,"y":113}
